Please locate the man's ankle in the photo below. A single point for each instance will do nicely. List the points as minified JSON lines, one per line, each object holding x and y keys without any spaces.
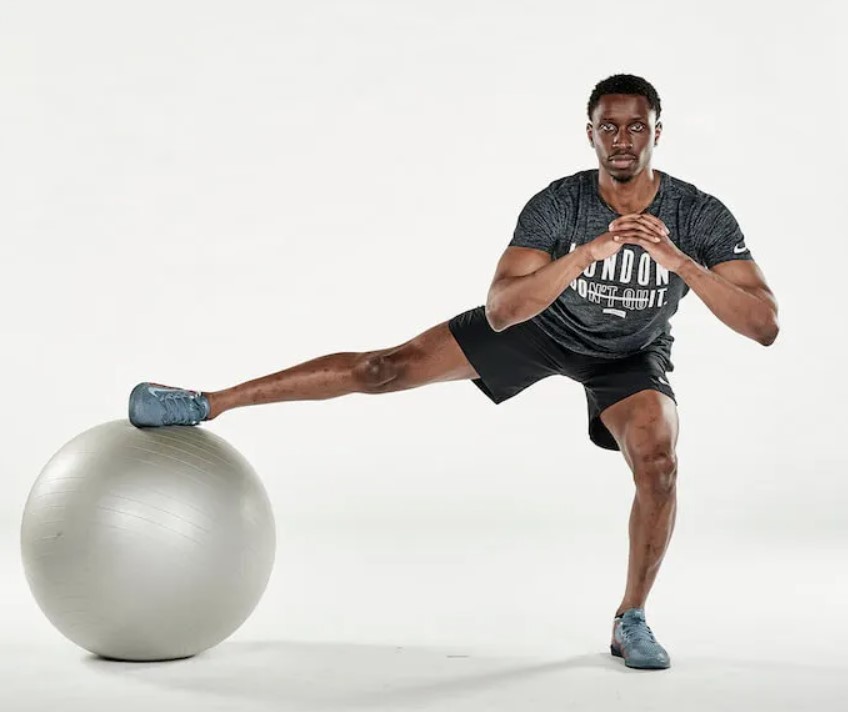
{"x":216,"y":407}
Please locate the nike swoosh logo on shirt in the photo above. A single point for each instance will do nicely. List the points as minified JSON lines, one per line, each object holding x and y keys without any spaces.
{"x":740,"y":248}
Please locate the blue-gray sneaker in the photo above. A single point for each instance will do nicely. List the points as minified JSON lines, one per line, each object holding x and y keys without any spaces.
{"x":153,"y":405}
{"x":634,"y":641}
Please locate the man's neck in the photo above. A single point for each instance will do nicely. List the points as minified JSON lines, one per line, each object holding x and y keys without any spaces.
{"x":631,"y":197}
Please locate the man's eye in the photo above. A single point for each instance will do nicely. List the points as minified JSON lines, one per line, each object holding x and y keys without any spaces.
{"x":639,"y":126}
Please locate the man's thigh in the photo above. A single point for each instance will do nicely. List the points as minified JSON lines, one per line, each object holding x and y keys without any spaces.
{"x":610,"y":385}
{"x":644,"y":424}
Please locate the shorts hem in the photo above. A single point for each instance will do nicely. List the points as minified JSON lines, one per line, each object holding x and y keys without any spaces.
{"x":599,"y":434}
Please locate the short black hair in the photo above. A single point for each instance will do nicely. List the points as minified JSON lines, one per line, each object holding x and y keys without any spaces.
{"x":624,"y":84}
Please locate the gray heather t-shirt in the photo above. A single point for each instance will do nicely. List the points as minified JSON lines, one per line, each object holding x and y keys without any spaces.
{"x":623,"y":304}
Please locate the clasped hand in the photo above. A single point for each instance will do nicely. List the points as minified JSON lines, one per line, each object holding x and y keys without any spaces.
{"x":647,"y":231}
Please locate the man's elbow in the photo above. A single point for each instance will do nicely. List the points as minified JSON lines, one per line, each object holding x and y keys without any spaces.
{"x":768,"y":333}
{"x":495,"y":320}
{"x":496,"y":311}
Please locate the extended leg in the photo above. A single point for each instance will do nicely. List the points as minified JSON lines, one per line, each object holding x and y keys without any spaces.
{"x":430,"y":357}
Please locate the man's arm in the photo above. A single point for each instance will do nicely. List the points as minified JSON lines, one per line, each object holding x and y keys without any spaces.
{"x":734,"y":290}
{"x":527,"y":281}
{"x":737,"y":293}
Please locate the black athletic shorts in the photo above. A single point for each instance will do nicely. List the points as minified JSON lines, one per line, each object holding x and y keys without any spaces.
{"x":511,"y":360}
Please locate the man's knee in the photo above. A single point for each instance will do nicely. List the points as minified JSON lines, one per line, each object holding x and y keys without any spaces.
{"x":655,"y":468}
{"x":381,"y":371}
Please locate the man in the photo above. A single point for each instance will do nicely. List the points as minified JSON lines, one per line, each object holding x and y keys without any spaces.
{"x":596,"y":267}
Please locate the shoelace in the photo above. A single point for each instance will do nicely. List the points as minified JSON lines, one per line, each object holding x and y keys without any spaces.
{"x":175,"y":404}
{"x":638,"y":632}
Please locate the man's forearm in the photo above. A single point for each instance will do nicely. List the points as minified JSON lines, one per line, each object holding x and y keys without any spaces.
{"x":743,"y":311}
{"x":512,"y":300}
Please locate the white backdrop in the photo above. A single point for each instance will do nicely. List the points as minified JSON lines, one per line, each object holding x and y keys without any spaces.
{"x":198,"y":193}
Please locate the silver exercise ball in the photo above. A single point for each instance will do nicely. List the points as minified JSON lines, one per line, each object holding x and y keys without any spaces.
{"x":150,"y":544}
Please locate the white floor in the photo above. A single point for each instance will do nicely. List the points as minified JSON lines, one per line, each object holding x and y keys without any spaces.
{"x":463,"y":621}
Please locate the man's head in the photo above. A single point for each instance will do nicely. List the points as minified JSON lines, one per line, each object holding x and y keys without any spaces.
{"x":624,"y":112}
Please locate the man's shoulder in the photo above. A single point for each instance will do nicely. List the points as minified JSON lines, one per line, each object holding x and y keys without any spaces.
{"x":686,"y":192}
{"x":566,"y":191}
{"x":703,"y":212}
{"x":573,"y":183}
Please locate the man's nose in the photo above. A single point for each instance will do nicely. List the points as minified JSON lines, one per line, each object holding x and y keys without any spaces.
{"x":621,"y":138}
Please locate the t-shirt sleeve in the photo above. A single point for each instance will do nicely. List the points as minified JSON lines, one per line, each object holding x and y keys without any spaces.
{"x":540,"y":223}
{"x":717,"y":235}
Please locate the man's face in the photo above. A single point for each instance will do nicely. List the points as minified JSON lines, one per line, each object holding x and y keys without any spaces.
{"x":623,"y":126}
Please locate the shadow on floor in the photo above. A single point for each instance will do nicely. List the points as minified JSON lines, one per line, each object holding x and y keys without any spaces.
{"x":314,"y":676}
{"x":307,"y":676}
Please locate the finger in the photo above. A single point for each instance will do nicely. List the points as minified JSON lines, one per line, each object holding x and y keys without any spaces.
{"x":656,"y":222}
{"x":634,"y":238}
{"x":640,"y":230}
{"x":618,"y":220}
{"x":651,"y":223}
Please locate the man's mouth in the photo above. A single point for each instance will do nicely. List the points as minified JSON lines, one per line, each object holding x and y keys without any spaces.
{"x":622,"y":160}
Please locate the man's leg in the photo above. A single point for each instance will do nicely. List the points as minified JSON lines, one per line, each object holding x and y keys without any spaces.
{"x":430,"y":357}
{"x":645,"y":426}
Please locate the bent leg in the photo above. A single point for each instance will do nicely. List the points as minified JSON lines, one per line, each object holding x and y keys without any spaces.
{"x":430,"y":357}
{"x":645,"y":426}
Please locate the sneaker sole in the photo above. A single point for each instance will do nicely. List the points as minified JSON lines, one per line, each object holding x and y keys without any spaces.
{"x":617,"y":653}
